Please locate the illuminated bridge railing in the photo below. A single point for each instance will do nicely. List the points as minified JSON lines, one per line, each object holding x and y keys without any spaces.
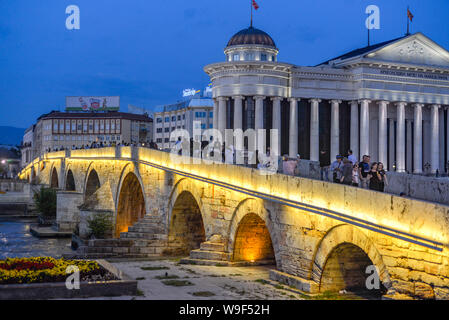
{"x":378,"y":212}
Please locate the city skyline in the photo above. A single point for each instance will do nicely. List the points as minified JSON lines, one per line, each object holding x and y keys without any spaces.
{"x":49,"y":62}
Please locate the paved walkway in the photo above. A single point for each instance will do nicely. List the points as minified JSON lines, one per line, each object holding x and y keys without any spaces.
{"x":209,"y":282}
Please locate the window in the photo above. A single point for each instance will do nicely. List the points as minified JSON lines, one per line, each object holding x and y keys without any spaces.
{"x":159,"y":140}
{"x":55,"y":127}
{"x":159,"y":120}
{"x":167,"y":119}
{"x":166,"y":129}
{"x":179,"y":118}
{"x":67,"y":127}
{"x":273,"y":58}
{"x":249,"y":56}
{"x":173,"y":118}
{"x":183,"y":117}
{"x":73,"y":126}
{"x":159,"y":130}
{"x":236,"y":57}
{"x":167,"y":140}
{"x":173,"y":129}
{"x":113,"y":125}
{"x":203,"y":126}
{"x":263,"y":57}
{"x":211,"y":114}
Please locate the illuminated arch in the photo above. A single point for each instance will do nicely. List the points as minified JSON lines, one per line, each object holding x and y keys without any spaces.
{"x":251,"y":216}
{"x":341,"y":259}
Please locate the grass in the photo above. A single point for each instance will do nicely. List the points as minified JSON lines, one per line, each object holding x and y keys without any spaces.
{"x":328,"y":295}
{"x":178,"y":283}
{"x":140,"y":293}
{"x":262,"y":281}
{"x":140,"y":278}
{"x":221,"y":265}
{"x":280,"y":287}
{"x":154,"y":268}
{"x":166,"y":277}
{"x":203,"y":294}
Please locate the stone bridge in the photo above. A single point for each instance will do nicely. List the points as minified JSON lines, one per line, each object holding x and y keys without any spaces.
{"x":321,"y":236}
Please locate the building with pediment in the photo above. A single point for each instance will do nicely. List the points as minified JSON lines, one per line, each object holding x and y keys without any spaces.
{"x":388,"y":100}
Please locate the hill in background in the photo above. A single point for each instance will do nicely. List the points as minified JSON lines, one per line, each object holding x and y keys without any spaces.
{"x":11,"y":135}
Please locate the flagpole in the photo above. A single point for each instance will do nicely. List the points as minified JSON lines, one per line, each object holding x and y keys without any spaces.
{"x":408,"y":22}
{"x":251,"y":2}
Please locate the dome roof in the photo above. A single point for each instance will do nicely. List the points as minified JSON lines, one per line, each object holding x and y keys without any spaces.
{"x":251,"y":36}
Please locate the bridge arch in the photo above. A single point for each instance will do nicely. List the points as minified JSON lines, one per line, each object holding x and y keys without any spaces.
{"x":186,"y":223}
{"x":92,"y":183}
{"x":70,"y":181}
{"x":341,"y":260}
{"x":251,"y":236}
{"x":54,"y":179}
{"x":130,"y":200}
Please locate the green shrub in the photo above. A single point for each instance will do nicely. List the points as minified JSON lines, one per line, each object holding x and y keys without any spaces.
{"x":100,"y":225}
{"x":45,"y":201}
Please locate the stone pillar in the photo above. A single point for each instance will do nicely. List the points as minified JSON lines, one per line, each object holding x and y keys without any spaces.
{"x":355,"y":129}
{"x":215,"y":119}
{"x":222,"y":103}
{"x":400,"y":137}
{"x":293,"y":135}
{"x":417,"y":140}
{"x":277,"y":121}
{"x":383,"y":137}
{"x":364,"y":127}
{"x":434,"y":138}
{"x":335,"y":128}
{"x":314,"y":129}
{"x":238,"y":112}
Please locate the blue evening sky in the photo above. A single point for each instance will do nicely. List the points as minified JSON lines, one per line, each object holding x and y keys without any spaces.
{"x":147,"y":51}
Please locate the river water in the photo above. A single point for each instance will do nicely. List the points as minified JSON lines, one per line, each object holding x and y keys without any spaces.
{"x":17,"y":241}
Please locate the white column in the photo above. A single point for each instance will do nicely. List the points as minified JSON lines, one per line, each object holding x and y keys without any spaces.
{"x":364,"y":127}
{"x":293,"y":135}
{"x":277,"y":122}
{"x":434,"y":138}
{"x":355,"y":129}
{"x":314,"y":129}
{"x":400,"y":137}
{"x":238,"y":119}
{"x":335,"y":129}
{"x":391,"y":139}
{"x":238,"y":112}
{"x":222,"y":103}
{"x":417,"y":139}
{"x":409,"y":146}
{"x":215,"y":123}
{"x":383,"y":137}
{"x":447,"y":134}
{"x":259,"y":112}
{"x":259,"y":116}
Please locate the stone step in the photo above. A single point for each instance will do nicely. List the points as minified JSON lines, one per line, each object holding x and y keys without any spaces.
{"x":203,"y":262}
{"x":210,"y":246}
{"x":108,"y":255}
{"x":144,"y":229}
{"x":141,"y":235}
{"x":209,"y":255}
{"x":111,"y":243}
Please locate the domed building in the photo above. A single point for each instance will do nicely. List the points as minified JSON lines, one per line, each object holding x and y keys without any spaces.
{"x":251,"y":45}
{"x":388,"y":100}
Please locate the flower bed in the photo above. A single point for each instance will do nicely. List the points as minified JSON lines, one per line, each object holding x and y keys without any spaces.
{"x":45,"y":278}
{"x":46,"y":269}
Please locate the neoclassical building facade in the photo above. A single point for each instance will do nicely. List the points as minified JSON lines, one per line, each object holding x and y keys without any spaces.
{"x":388,"y":100}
